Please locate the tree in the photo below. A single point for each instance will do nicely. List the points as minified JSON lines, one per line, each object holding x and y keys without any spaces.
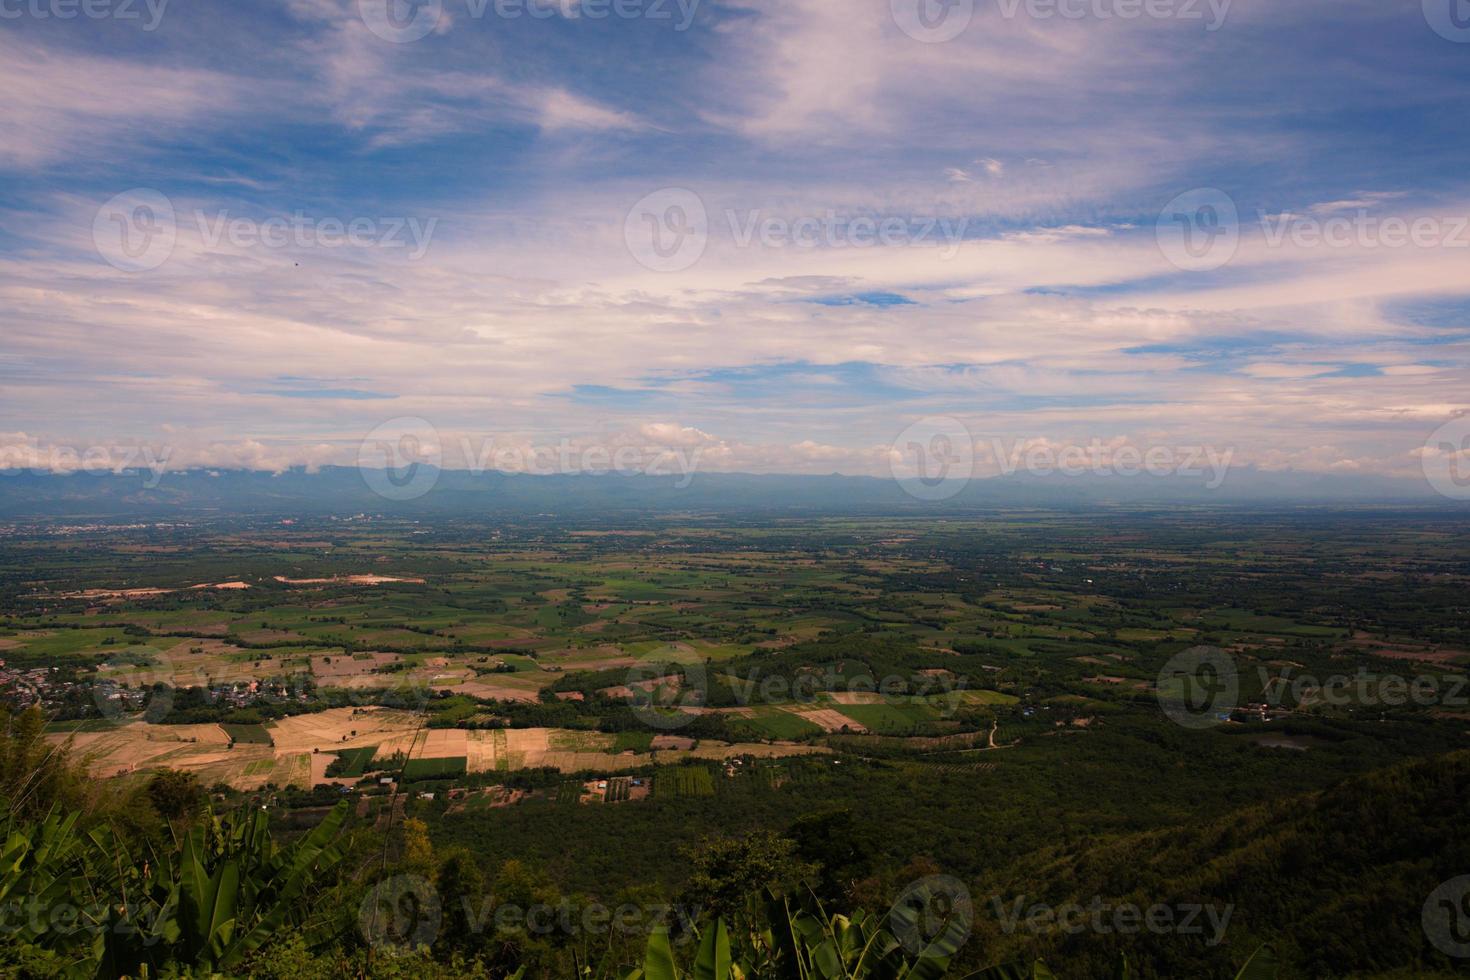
{"x":418,"y":849}
{"x":461,"y":884}
{"x":834,"y":842}
{"x":728,"y":870}
{"x":175,"y":794}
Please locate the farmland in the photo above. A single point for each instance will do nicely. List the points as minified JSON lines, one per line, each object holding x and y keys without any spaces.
{"x":551,"y":647}
{"x":948,"y":686}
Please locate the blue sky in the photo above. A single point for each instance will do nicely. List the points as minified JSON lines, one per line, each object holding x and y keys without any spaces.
{"x":507,"y":177}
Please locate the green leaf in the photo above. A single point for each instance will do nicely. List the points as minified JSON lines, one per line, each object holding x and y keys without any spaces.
{"x":658,"y":959}
{"x":713,"y":961}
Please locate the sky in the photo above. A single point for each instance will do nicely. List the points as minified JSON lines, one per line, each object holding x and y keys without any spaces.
{"x":790,"y":234}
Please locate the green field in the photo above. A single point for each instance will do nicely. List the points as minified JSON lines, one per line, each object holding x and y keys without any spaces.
{"x":776,"y":723}
{"x":891,"y":719}
{"x":353,"y":762}
{"x":247,"y":734}
{"x":677,"y":782}
{"x":637,"y":740}
{"x":420,"y":769}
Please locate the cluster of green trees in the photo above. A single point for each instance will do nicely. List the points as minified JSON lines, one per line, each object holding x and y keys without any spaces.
{"x":151,"y":882}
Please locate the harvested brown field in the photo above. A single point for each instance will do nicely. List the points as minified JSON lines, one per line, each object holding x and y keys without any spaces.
{"x":334,"y":729}
{"x":856,"y":697}
{"x":831,"y":720}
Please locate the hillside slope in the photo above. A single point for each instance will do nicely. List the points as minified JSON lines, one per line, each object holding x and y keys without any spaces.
{"x":1337,"y":880}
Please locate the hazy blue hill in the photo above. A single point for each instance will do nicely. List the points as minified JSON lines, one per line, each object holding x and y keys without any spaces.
{"x":343,"y":489}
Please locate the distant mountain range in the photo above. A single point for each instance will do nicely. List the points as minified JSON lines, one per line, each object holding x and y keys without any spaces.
{"x":339,"y":490}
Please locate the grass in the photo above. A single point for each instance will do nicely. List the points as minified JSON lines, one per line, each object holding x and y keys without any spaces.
{"x":418,"y":769}
{"x":353,"y":762}
{"x":684,"y":781}
{"x":640,"y":741}
{"x":83,"y":725}
{"x":776,"y":723}
{"x":247,"y":734}
{"x":890,"y":718}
